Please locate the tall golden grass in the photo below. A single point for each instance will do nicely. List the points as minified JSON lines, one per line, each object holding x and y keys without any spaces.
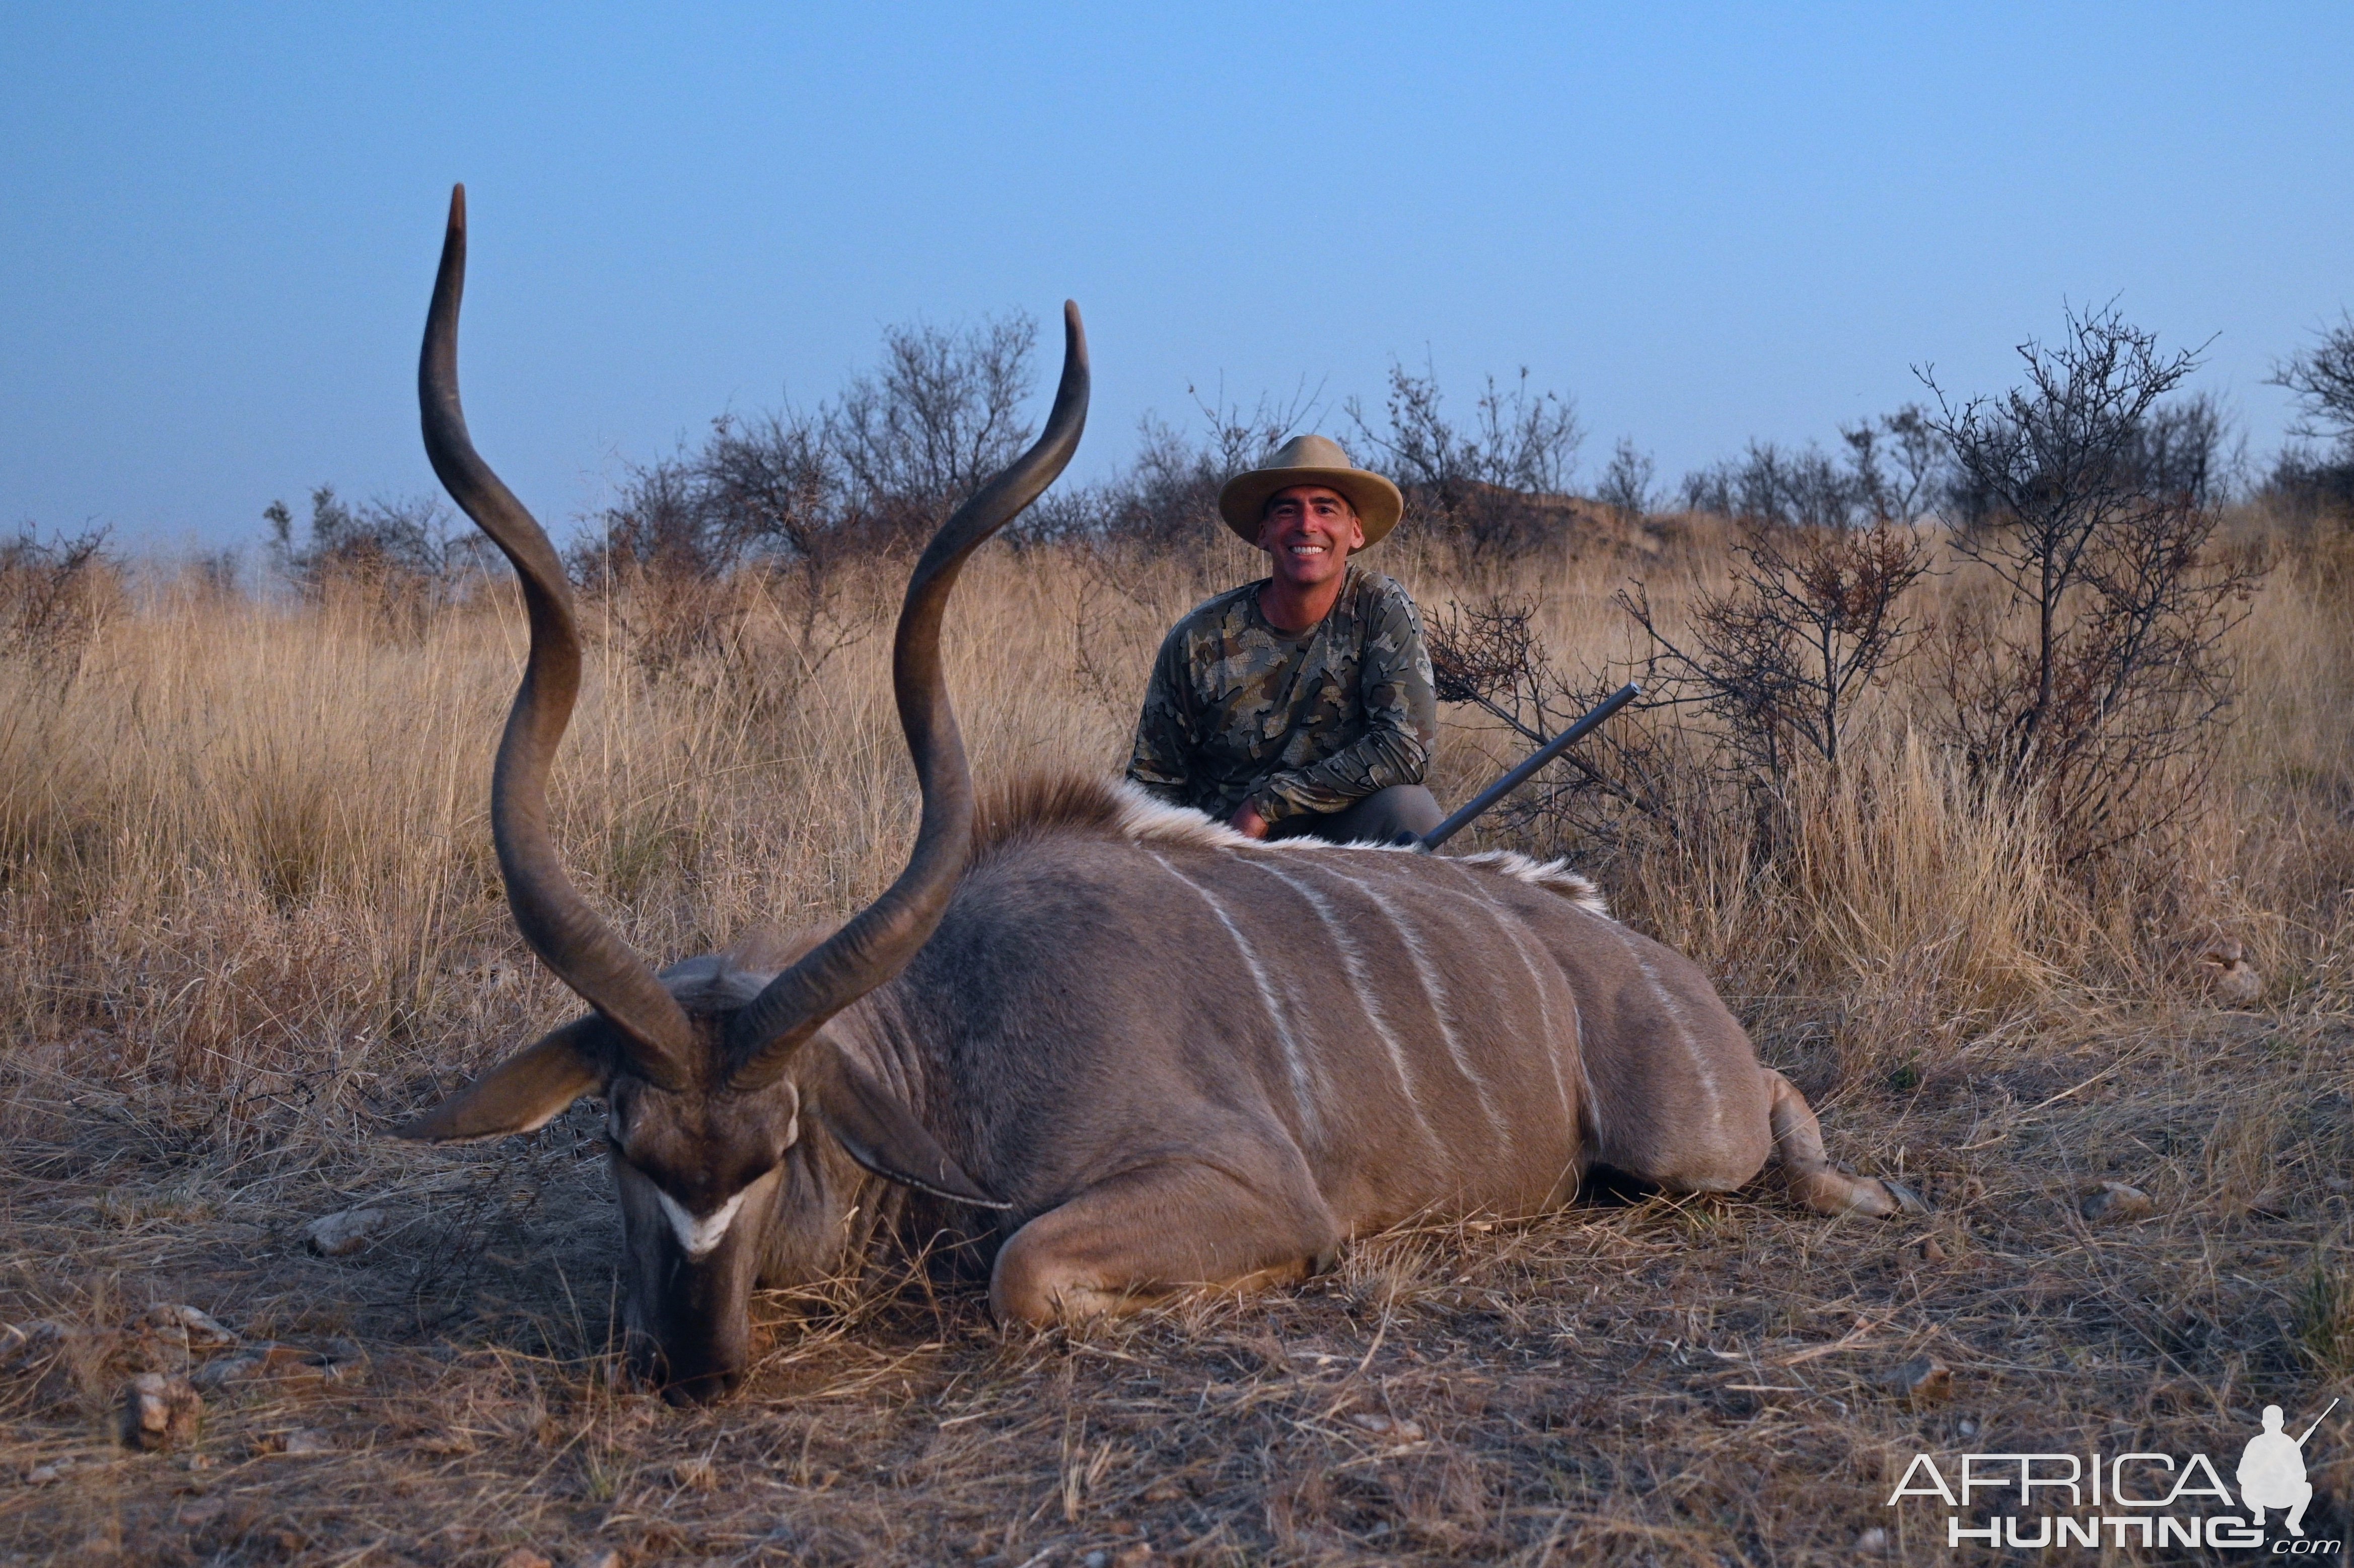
{"x":246,"y":842}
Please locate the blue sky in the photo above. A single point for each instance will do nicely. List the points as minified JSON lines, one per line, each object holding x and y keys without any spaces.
{"x":1708,"y":223}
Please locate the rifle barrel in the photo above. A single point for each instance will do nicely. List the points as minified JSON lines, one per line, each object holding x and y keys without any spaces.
{"x":1536,"y":759}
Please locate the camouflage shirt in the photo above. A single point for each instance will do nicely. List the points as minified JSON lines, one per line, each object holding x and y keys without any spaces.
{"x":1237,"y":710}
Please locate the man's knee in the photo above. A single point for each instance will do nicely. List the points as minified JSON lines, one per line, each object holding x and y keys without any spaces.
{"x":1380,"y":817}
{"x":1403,"y":809}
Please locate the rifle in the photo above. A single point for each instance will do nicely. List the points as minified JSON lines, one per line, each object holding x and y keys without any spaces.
{"x":2316,"y":1423}
{"x":1536,"y":759}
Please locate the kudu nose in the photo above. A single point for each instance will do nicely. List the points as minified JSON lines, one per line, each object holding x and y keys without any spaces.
{"x":705,"y":1388}
{"x":683,"y":1380}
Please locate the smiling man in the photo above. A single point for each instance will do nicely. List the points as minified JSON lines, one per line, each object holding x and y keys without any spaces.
{"x":1302,"y":702}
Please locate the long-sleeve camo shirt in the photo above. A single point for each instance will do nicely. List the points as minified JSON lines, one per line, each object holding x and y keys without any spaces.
{"x":1314,"y":722}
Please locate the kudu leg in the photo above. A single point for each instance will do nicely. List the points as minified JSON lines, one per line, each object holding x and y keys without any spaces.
{"x":1799,"y":1150}
{"x":1147,"y":1234}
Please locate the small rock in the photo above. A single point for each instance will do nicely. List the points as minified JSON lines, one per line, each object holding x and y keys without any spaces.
{"x":1098,"y":1558}
{"x":308,"y":1440}
{"x":274,"y":1364}
{"x":42,"y":1475}
{"x":524,"y":1557}
{"x":214,"y":1376}
{"x":1930,"y":1251}
{"x":160,"y":1411}
{"x":1872,"y":1540}
{"x":341,"y":1234}
{"x":200,"y":1512}
{"x":187,"y":1326}
{"x":33,"y":1343}
{"x":1920,"y":1379}
{"x":1966,"y":1428}
{"x":1391,"y":1427}
{"x":2114,"y":1203}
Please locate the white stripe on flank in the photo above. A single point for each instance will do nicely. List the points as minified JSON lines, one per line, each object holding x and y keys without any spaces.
{"x":1360,"y":984}
{"x":1586,"y":1082}
{"x":1434,"y":990}
{"x":697,"y":1237}
{"x":1303,"y":1085}
{"x":1510,"y":923}
{"x":1675,"y":1012}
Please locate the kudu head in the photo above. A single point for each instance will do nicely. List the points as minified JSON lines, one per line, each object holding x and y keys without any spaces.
{"x":709,"y":1078}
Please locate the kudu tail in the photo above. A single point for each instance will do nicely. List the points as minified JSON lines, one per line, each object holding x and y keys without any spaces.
{"x":1814,"y":1180}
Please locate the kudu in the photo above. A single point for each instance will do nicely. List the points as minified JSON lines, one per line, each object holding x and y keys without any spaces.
{"x":1116,"y":1047}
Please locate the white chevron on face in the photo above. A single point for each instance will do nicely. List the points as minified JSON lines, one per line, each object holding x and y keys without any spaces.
{"x":696,"y":1237}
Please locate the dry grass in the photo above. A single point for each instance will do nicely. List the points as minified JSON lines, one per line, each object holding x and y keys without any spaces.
{"x":249,"y":915}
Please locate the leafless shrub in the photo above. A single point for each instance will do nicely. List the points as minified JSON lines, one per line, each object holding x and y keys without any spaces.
{"x":2322,"y":379}
{"x":761,"y":516}
{"x":2094,"y":671}
{"x":1764,"y":688}
{"x":1484,"y":487}
{"x":1792,"y":489}
{"x":2319,"y":477}
{"x":1625,"y":486}
{"x":2309,"y":483}
{"x":54,"y":597}
{"x":1894,"y":471}
{"x":1813,"y":620}
{"x":408,"y":557}
{"x":941,"y":415}
{"x":789,"y":501}
{"x":1898,"y":464}
{"x":1487,"y":654}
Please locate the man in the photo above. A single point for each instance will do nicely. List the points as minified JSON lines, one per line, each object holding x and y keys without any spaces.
{"x":2272,"y":1473}
{"x":1300,"y":704}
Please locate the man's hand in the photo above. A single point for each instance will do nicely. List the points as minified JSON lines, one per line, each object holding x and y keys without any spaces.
{"x":1248,"y":822}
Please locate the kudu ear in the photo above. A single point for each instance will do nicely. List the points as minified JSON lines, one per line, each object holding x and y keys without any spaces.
{"x":521,"y":1094}
{"x":879,"y":1132}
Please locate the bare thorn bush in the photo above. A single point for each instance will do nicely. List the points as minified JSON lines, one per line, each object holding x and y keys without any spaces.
{"x":2093,"y":664}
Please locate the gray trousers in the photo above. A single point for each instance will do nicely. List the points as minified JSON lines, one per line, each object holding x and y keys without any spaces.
{"x":1378,"y":819}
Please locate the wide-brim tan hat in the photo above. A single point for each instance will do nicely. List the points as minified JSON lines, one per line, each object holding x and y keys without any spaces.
{"x":1309,"y":459}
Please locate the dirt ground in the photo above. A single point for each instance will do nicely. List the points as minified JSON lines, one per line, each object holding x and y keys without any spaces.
{"x":1635,"y":1379}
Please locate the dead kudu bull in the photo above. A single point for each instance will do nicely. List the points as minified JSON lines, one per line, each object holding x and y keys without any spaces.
{"x":1116,"y":1046}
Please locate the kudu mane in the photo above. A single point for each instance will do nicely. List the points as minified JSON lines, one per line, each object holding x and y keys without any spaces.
{"x":1040,"y":807}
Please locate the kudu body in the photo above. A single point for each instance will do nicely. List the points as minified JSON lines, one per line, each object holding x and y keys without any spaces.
{"x":1117,"y":1047}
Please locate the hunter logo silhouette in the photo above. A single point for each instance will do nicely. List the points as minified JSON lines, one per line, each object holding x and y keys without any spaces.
{"x":2272,"y":1471}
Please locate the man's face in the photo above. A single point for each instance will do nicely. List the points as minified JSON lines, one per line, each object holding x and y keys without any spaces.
{"x":1309,"y":529}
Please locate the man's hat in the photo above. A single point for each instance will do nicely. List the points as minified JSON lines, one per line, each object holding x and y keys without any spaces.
{"x":1309,"y":459}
